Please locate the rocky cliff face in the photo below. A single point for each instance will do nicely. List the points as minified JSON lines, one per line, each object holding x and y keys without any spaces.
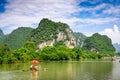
{"x":71,"y":43}
{"x":49,"y":32}
{"x":47,"y":43}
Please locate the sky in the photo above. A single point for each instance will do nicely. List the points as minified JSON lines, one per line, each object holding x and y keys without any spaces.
{"x":85,"y":16}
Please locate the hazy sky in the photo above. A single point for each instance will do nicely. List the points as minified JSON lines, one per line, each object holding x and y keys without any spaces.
{"x":85,"y":16}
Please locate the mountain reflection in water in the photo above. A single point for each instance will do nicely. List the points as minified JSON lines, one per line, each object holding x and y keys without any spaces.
{"x":74,"y":70}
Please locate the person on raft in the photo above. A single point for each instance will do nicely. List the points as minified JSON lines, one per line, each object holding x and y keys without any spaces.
{"x":34,"y":65}
{"x":34,"y":68}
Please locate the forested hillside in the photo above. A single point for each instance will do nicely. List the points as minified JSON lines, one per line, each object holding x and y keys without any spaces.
{"x":99,"y":43}
{"x":58,"y":42}
{"x":43,"y":31}
{"x":18,"y":37}
{"x":80,"y":38}
{"x":2,"y":36}
{"x":54,"y":34}
{"x":49,"y":33}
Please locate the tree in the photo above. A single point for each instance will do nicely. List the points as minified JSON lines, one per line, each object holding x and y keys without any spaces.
{"x":5,"y":53}
{"x":78,"y":53}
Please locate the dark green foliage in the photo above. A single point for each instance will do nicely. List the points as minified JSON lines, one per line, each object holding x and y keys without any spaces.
{"x":80,"y":38}
{"x":78,"y":53}
{"x":59,"y":43}
{"x":47,"y":30}
{"x":60,"y":53}
{"x":5,"y":54}
{"x":99,"y":43}
{"x":30,"y":46}
{"x":18,"y":37}
{"x":49,"y":53}
{"x":27,"y":53}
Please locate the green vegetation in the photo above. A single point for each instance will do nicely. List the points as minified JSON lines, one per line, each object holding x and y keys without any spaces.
{"x":47,"y":30}
{"x":28,"y":52}
{"x":80,"y":38}
{"x":18,"y":37}
{"x":98,"y":43}
{"x":21,"y":44}
{"x":58,"y":43}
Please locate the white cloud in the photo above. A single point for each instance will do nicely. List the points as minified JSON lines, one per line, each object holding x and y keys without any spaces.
{"x":114,"y":10}
{"x":98,"y":7}
{"x":106,"y":9}
{"x":97,"y":20}
{"x":28,"y":12}
{"x":113,"y":33}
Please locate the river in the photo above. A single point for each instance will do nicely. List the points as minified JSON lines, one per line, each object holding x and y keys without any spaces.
{"x":72,"y":70}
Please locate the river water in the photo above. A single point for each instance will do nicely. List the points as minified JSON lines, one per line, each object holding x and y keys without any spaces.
{"x":73,"y":70}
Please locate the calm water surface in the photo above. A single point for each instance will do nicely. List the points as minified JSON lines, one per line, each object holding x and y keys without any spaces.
{"x":86,"y":70}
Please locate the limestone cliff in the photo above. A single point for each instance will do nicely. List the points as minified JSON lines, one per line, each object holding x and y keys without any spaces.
{"x":49,"y":33}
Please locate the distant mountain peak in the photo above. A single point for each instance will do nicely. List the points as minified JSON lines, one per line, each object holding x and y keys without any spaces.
{"x":17,"y":37}
{"x":80,"y":38}
{"x":49,"y":33}
{"x":99,"y":43}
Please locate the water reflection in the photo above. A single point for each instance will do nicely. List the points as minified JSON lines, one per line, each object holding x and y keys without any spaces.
{"x":116,"y":70}
{"x":93,"y":71}
{"x":34,"y":75}
{"x":98,"y":70}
